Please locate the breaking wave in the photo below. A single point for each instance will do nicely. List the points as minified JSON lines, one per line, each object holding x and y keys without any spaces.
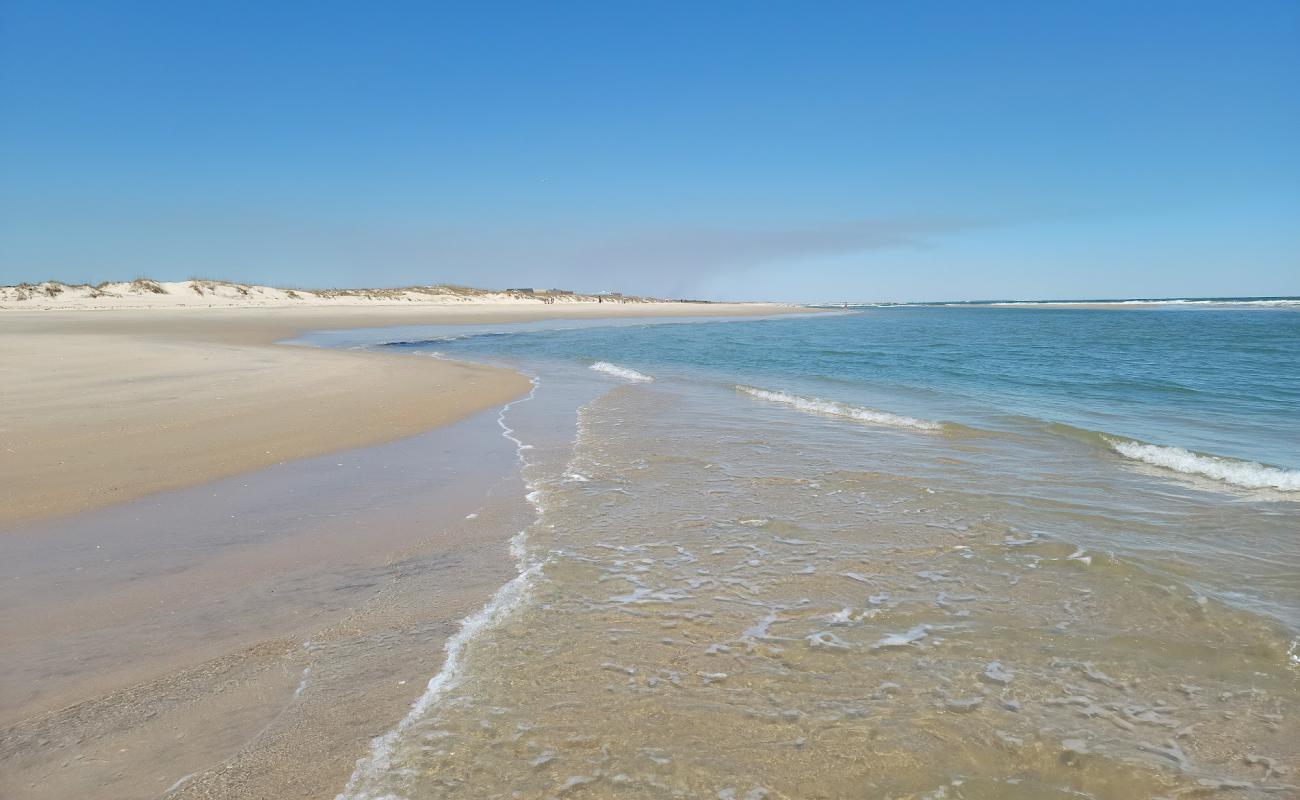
{"x":816,"y":405}
{"x":1246,"y":474}
{"x":621,"y":372}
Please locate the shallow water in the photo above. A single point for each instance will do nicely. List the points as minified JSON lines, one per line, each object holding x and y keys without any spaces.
{"x":214,"y":639}
{"x":895,"y":554}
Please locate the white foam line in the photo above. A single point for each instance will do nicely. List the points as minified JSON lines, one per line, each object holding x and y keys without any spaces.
{"x":621,"y":372}
{"x":178,"y":784}
{"x":816,"y":405}
{"x":365,"y":782}
{"x":1246,"y":474}
{"x":302,"y":684}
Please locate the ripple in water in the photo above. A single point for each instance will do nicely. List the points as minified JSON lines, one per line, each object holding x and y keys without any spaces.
{"x":724,"y":615}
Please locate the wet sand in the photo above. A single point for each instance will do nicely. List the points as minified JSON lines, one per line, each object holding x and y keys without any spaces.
{"x":253,"y":633}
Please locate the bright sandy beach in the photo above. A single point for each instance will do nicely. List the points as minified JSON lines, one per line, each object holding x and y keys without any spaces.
{"x":109,"y":399}
{"x":649,"y":401}
{"x":206,"y":458}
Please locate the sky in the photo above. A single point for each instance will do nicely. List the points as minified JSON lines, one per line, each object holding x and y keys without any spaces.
{"x":752,"y":150}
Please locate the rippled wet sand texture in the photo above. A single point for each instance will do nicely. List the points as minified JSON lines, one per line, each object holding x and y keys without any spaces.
{"x":729,"y":607}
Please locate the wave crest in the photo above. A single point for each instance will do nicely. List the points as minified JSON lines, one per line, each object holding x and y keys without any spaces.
{"x":816,"y":405}
{"x":621,"y":372}
{"x":1246,"y":474}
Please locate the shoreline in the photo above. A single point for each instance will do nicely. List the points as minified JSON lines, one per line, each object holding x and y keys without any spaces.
{"x":218,"y":638}
{"x":105,"y":406}
{"x":237,"y":626}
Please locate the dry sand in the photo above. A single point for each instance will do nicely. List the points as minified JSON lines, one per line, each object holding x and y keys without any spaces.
{"x":105,"y":406}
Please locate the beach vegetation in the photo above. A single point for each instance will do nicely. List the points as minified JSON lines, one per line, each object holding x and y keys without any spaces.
{"x":147,"y":285}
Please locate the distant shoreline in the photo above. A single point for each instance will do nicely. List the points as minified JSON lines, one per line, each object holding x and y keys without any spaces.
{"x":1198,"y":302}
{"x":200,"y":293}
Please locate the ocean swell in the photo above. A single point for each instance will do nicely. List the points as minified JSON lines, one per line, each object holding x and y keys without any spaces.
{"x":1246,"y":474}
{"x":815,"y":405}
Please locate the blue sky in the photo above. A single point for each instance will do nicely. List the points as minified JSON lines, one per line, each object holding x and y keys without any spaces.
{"x":801,"y":151}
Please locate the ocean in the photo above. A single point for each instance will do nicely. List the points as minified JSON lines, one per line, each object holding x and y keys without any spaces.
{"x":942,"y":552}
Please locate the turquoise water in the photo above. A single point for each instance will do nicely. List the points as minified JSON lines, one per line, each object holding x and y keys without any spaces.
{"x":1168,"y":431}
{"x":1225,"y":382}
{"x":902,"y":552}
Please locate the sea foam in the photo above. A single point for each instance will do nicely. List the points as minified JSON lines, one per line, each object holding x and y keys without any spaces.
{"x":1246,"y":474}
{"x":367,"y":781}
{"x":621,"y":372}
{"x":816,"y":405}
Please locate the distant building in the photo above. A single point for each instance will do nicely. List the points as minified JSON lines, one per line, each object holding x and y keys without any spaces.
{"x":521,"y":291}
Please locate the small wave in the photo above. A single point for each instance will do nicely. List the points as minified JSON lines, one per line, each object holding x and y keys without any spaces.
{"x":1246,"y":474}
{"x":836,"y":409}
{"x":621,"y":372}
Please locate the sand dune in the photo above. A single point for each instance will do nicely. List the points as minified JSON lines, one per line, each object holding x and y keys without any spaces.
{"x":199,"y":293}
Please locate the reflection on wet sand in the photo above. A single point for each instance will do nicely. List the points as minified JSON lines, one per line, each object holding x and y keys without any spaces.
{"x":214,"y":640}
